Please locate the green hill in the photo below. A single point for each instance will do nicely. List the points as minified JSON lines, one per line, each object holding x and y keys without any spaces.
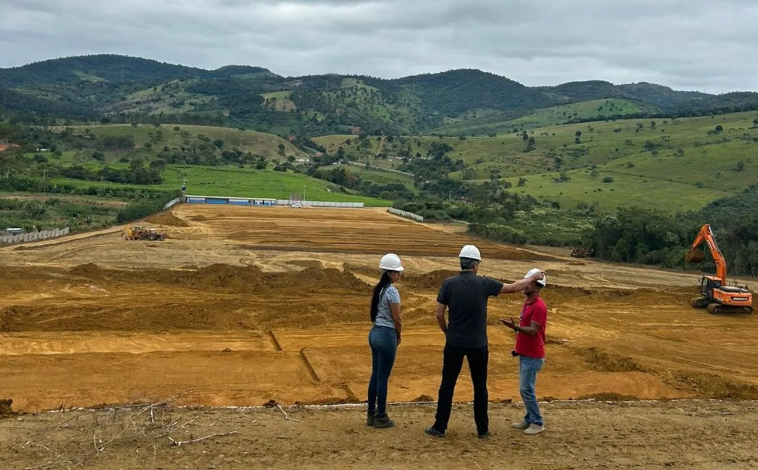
{"x":670,"y":164}
{"x":128,"y":89}
{"x":148,"y":140}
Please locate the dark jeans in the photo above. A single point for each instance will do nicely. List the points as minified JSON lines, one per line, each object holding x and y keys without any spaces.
{"x":383,"y":342}
{"x":477,"y":363}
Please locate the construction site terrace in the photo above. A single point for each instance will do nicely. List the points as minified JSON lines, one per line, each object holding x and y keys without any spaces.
{"x":244,"y":306}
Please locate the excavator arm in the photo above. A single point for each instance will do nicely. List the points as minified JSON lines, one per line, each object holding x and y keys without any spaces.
{"x":695,"y":256}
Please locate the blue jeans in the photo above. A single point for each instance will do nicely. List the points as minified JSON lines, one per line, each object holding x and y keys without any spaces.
{"x":528,"y":368}
{"x":383,"y":342}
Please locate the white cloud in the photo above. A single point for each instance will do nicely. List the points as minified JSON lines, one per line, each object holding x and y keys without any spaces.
{"x":691,"y":44}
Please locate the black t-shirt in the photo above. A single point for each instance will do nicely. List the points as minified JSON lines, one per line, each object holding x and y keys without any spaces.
{"x":466,"y":297}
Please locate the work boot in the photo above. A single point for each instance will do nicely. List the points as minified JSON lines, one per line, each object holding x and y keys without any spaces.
{"x":485,"y":435}
{"x":523,"y":425}
{"x":534,"y":429}
{"x":383,"y":421}
{"x":432,"y":431}
{"x":370,"y":419}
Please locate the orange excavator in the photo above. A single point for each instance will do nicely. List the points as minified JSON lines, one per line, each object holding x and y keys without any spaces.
{"x":714,"y":293}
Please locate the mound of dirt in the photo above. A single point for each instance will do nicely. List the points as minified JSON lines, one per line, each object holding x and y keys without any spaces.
{"x":5,"y":408}
{"x":168,"y":219}
{"x":430,"y":280}
{"x":313,"y":279}
{"x":422,"y":398}
{"x":715,"y":386}
{"x":605,"y":362}
{"x":226,"y":277}
{"x":199,"y":218}
{"x":305,"y":263}
{"x":89,"y":270}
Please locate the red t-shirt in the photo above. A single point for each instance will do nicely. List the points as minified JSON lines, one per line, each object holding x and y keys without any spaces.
{"x":532,"y":346}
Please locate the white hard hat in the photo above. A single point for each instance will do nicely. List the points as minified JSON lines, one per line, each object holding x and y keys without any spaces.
{"x":532,"y":272}
{"x":470,"y":251}
{"x":391,"y":262}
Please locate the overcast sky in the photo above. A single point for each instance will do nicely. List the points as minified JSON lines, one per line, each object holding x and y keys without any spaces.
{"x":686,"y":44}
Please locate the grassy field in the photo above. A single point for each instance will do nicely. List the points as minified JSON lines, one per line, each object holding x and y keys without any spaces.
{"x":280,"y":101}
{"x":487,"y":122}
{"x":379,"y":176}
{"x":672,"y":164}
{"x":258,"y":143}
{"x":624,"y":190}
{"x":231,"y":181}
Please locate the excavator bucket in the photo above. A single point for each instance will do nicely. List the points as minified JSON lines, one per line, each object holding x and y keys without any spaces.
{"x":694,"y":256}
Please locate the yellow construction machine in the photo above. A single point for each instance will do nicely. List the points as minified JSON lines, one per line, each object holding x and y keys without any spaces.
{"x":139,"y":232}
{"x":715,"y":295}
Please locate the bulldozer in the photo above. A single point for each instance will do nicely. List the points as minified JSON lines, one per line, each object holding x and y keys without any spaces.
{"x":715,"y":295}
{"x":139,"y":232}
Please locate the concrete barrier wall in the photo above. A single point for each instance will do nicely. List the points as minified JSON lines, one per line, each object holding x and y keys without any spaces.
{"x":406,"y":214}
{"x":34,"y":236}
{"x":172,"y":202}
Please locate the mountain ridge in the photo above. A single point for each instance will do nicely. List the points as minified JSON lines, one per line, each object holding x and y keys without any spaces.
{"x":133,"y":88}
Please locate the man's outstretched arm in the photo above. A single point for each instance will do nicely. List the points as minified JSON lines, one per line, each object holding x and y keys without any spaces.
{"x":519,"y":285}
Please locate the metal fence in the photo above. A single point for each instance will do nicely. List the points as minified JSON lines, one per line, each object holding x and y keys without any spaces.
{"x":34,"y":236}
{"x":406,"y":214}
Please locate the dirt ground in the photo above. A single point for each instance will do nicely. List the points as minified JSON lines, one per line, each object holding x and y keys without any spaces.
{"x":241,"y":306}
{"x":700,"y":435}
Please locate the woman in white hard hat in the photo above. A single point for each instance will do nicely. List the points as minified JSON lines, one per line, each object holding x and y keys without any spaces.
{"x":383,"y":339}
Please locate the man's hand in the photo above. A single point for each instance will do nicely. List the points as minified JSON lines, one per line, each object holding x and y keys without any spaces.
{"x":537,"y":276}
{"x":509,"y":323}
{"x":399,"y":339}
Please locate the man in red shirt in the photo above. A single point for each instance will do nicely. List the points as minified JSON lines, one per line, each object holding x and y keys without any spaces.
{"x":530,"y":348}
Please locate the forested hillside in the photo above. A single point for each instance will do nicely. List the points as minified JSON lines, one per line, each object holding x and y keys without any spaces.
{"x":469,"y":102}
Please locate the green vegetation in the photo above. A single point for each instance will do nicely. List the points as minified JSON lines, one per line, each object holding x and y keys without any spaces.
{"x":48,"y":212}
{"x":541,"y":165}
{"x":650,"y":236}
{"x":127,"y":89}
{"x":552,"y":116}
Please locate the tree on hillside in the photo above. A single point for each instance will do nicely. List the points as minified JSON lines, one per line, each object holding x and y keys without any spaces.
{"x":578,"y":137}
{"x":531,"y":144}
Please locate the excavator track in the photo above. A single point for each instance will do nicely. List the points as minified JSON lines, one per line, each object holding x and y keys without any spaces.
{"x":699,"y":302}
{"x":716,"y":309}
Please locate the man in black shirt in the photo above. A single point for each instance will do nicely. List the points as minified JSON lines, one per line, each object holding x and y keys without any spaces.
{"x":465,"y":297}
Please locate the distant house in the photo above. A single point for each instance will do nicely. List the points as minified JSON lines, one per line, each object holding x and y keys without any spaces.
{"x":292,"y":137}
{"x":355,"y":130}
{"x":318,"y":154}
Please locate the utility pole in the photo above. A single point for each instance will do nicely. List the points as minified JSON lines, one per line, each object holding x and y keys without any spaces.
{"x":305,"y":191}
